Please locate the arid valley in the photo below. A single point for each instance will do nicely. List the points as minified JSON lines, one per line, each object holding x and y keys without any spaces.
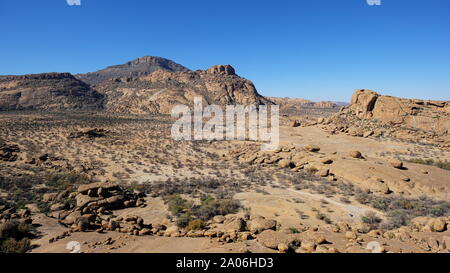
{"x":89,"y":158}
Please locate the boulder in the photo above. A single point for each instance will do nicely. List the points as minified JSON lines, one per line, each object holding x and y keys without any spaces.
{"x":398,"y":164}
{"x":236,"y":224}
{"x":271,"y":239}
{"x":312,"y":148}
{"x":355,"y":154}
{"x":218,"y":219}
{"x":259,"y":224}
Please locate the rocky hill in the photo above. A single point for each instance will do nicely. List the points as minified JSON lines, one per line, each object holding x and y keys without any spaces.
{"x":159,"y":91}
{"x":299,"y":103}
{"x":430,"y":116}
{"x":139,"y":67}
{"x":48,"y":91}
{"x":371,"y":114}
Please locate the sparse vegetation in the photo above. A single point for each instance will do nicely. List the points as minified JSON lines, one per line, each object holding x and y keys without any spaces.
{"x":14,"y":237}
{"x":371,"y":219}
{"x":187,"y":212}
{"x":430,"y":162}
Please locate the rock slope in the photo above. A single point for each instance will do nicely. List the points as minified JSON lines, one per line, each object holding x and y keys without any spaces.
{"x":161,"y":90}
{"x":136,"y":68}
{"x":48,"y":91}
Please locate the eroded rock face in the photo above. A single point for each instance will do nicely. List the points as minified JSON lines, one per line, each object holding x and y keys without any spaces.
{"x":161,"y":90}
{"x":425,"y":115}
{"x":48,"y":91}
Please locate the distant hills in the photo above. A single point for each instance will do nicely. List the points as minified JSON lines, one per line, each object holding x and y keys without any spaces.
{"x":136,"y":68}
{"x":47,"y":91}
{"x":145,"y":85}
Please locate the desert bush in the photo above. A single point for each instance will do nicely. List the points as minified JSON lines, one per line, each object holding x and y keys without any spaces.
{"x":371,"y":219}
{"x":12,"y":245}
{"x":323,"y":217}
{"x":440,"y":164}
{"x":293,"y":230}
{"x":186,"y":211}
{"x":195,"y":225}
{"x":65,"y":181}
{"x":401,"y":210}
{"x":14,"y":237}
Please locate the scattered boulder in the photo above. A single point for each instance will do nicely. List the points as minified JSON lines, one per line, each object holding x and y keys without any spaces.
{"x":271,"y":239}
{"x":236,"y":224}
{"x":398,"y":164}
{"x":259,"y":224}
{"x":355,"y":154}
{"x":88,"y":133}
{"x":296,"y":124}
{"x":8,"y":152}
{"x":284,"y":163}
{"x":218,"y":219}
{"x":283,"y":248}
{"x":312,"y":148}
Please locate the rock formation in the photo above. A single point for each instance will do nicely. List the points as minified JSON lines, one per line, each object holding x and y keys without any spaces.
{"x":161,"y":90}
{"x":430,"y":116}
{"x":48,"y":91}
{"x":136,"y":68}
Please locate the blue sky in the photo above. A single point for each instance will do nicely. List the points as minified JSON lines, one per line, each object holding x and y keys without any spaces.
{"x":315,"y":49}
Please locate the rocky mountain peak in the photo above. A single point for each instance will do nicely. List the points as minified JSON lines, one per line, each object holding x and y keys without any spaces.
{"x":221,"y":69}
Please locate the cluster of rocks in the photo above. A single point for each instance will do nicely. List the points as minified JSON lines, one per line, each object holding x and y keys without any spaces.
{"x":22,"y":215}
{"x":8,"y":152}
{"x":373,"y":115}
{"x":88,"y":133}
{"x":12,"y":222}
{"x":91,"y":208}
{"x":306,"y":158}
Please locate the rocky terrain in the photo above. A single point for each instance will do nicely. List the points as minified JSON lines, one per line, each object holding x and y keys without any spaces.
{"x":48,"y":91}
{"x":371,"y":114}
{"x":142,"y":86}
{"x":368,"y":177}
{"x":161,"y":90}
{"x":295,"y":104}
{"x":136,"y":68}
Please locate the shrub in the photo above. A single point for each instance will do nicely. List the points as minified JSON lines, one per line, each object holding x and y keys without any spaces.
{"x":323,"y":217}
{"x":195,"y":225}
{"x":183,"y":220}
{"x":9,"y":229}
{"x":440,"y":164}
{"x":186,"y":211}
{"x":371,"y":219}
{"x":11,"y":245}
{"x":293,"y":230}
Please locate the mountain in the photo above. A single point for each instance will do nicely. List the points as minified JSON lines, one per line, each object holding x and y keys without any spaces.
{"x":159,"y":91}
{"x":47,"y":91}
{"x":295,"y":104}
{"x":139,"y":67}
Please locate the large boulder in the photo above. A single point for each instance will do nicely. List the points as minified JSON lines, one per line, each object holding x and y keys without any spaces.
{"x":271,"y":239}
{"x":259,"y":224}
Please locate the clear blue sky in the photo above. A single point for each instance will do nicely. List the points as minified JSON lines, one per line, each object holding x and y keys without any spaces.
{"x":315,"y":49}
